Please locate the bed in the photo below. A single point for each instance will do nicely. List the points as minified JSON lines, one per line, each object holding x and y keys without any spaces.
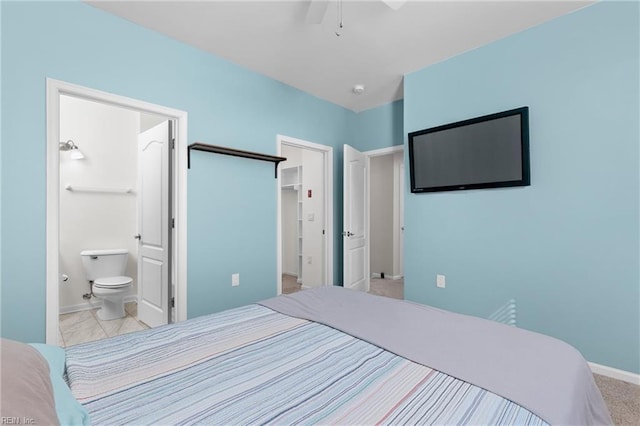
{"x":326,"y":356}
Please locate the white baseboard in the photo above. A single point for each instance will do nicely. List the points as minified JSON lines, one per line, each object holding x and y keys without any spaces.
{"x":386,"y":277}
{"x":89,"y":304}
{"x":92,"y":304}
{"x":614,"y":373}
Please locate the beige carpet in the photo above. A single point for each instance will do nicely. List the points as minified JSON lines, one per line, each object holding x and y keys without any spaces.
{"x":388,"y":288}
{"x":290,"y":284}
{"x":622,"y":398}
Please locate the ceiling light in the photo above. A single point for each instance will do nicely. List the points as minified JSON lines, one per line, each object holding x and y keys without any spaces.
{"x":358,"y":88}
{"x":394,"y":4}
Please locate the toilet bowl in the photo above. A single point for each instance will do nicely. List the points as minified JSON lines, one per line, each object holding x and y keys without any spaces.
{"x":105,"y":271}
{"x":112,"y":291}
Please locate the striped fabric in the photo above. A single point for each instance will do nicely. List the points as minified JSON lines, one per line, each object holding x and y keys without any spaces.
{"x":252,"y":365}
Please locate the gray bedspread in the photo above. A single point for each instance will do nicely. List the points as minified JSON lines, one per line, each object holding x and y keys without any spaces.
{"x":545,"y":375}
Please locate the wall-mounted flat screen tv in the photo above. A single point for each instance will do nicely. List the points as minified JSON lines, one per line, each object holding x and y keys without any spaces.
{"x":491,"y":151}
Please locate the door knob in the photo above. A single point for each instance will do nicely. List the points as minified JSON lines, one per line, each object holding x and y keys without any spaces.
{"x":137,"y":237}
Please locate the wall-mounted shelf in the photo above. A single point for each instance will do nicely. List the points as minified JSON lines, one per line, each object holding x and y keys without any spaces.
{"x":199,"y":146}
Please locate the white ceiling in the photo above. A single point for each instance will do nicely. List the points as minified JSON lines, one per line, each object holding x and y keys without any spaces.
{"x":377,"y":45}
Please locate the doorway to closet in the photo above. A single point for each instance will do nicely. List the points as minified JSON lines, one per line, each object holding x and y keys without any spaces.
{"x":305,"y":215}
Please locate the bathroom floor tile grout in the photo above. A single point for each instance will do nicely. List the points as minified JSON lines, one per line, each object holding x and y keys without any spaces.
{"x":95,"y":316}
{"x":61,"y":337}
{"x":97,"y":321}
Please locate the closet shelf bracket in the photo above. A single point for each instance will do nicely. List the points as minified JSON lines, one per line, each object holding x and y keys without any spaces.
{"x":199,"y":146}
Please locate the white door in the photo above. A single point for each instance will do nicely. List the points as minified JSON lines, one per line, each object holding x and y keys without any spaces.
{"x":355,"y":234}
{"x":401,"y":211}
{"x":154,"y":202}
{"x":313,"y":227}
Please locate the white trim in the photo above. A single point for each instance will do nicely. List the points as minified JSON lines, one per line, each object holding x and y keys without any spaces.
{"x":92,"y":305}
{"x":398,"y":213}
{"x":52,"y":220}
{"x":614,"y":373}
{"x":384,"y":151}
{"x":328,"y":173}
{"x":56,"y":88}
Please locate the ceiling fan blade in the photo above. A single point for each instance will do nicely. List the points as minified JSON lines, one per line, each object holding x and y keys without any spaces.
{"x":394,"y":4}
{"x":317,"y":10}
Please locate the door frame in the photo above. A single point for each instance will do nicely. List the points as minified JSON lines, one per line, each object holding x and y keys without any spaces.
{"x":328,"y":205}
{"x":57,"y":88}
{"x":398,"y":204}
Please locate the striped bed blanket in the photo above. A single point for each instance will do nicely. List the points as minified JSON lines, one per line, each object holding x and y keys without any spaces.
{"x":252,"y":365}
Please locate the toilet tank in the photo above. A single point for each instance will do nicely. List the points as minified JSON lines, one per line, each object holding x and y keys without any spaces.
{"x":104,"y":263}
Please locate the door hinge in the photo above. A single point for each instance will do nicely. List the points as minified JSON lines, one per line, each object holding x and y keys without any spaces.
{"x":323,"y":232}
{"x":173,"y":302}
{"x":173,"y":223}
{"x":173,"y":144}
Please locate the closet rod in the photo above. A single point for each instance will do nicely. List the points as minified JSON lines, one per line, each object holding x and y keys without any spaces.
{"x":199,"y":146}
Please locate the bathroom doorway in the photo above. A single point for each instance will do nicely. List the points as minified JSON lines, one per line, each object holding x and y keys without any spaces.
{"x":94,"y":202}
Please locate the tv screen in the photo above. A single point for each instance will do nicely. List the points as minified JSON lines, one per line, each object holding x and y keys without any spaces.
{"x":491,"y":151}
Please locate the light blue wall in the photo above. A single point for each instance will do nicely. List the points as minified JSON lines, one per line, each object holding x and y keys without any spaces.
{"x":566,"y":247}
{"x":231,"y":202}
{"x":379,"y":127}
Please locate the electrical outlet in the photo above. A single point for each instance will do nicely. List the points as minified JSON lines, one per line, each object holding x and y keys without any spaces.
{"x":440,"y":281}
{"x":235,"y":279}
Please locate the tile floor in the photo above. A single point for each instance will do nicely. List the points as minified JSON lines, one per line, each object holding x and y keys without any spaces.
{"x":84,"y":326}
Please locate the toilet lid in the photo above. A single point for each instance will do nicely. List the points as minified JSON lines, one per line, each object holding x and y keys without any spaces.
{"x":113,"y":282}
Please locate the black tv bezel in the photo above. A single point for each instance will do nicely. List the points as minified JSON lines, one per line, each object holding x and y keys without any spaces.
{"x":523,"y":112}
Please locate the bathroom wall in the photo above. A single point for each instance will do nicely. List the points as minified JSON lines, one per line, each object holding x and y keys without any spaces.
{"x":149,"y":120}
{"x":107,"y":136}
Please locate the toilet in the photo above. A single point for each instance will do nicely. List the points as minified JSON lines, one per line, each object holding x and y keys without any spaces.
{"x":105,"y":271}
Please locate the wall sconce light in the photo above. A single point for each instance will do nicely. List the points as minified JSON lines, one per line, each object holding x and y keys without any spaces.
{"x":76,"y":154}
